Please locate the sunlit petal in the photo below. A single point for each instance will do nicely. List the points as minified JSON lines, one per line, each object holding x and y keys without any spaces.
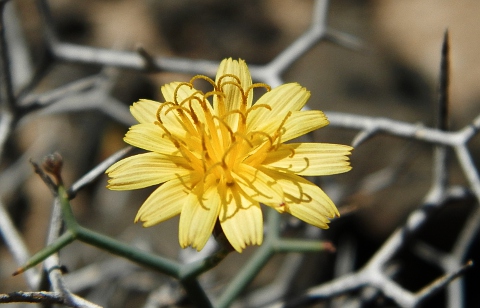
{"x":182,"y":92}
{"x":144,"y":111}
{"x":165,"y":202}
{"x":150,"y":137}
{"x":145,"y":170}
{"x":310,"y":158}
{"x":232,"y":88}
{"x":258,"y":185}
{"x":198,"y":215}
{"x":241,"y":220}
{"x":297,"y":124}
{"x":305,"y":200}
{"x":282,"y":99}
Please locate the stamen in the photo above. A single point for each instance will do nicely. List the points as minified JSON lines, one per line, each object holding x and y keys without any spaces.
{"x":228,"y":75}
{"x":256,"y":106}
{"x":208,"y":79}
{"x":183,"y":183}
{"x":244,"y":138}
{"x":258,"y":85}
{"x":212,"y":93}
{"x":184,"y":121}
{"x":238,"y":85}
{"x":278,"y":133}
{"x":259,"y":153}
{"x":189,"y":101}
{"x":226,"y":126}
{"x":291,"y":149}
{"x":212,"y":168}
{"x":179,"y":108}
{"x":181,"y":147}
{"x":159,"y":110}
{"x":244,"y":117}
{"x":264,"y":134}
{"x":175,"y":93}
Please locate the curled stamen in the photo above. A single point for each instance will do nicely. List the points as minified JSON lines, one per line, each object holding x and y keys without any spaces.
{"x":290,"y":149}
{"x":211,"y":169}
{"x":159,"y":110}
{"x":257,"y":132}
{"x":212,"y":93}
{"x":228,"y":75}
{"x":278,"y":132}
{"x":244,"y":117}
{"x":244,"y":138}
{"x":208,"y":79}
{"x":256,"y":106}
{"x":175,"y":93}
{"x":185,"y":121}
{"x":193,"y":97}
{"x":226,"y":126}
{"x":179,"y":108}
{"x":184,"y":184}
{"x":193,"y":113}
{"x":257,"y":85}
{"x":167,"y":132}
{"x":238,"y":85}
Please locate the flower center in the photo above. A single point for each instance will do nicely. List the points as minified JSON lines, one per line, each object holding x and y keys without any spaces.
{"x":214,"y":139}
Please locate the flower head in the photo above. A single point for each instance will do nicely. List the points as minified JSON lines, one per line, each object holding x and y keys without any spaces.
{"x":219,"y":156}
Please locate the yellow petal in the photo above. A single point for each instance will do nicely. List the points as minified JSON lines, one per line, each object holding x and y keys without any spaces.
{"x":241,"y":220}
{"x":150,"y":137}
{"x":145,"y":170}
{"x":303,"y":122}
{"x":144,"y":111}
{"x":199,"y":214}
{"x":233,"y":97}
{"x":297,"y":124}
{"x":257,"y":185}
{"x":282,"y":99}
{"x":305,"y":200}
{"x":164,"y":203}
{"x":310,"y":158}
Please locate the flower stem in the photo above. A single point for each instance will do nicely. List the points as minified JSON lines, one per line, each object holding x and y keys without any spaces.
{"x":118,"y":248}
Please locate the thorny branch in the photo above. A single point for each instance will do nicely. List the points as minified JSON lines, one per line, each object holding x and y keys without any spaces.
{"x":97,"y":90}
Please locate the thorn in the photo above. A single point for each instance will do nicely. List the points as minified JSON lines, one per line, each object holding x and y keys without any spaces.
{"x":328,"y":246}
{"x":443,"y":90}
{"x":147,"y":58}
{"x":18,"y":271}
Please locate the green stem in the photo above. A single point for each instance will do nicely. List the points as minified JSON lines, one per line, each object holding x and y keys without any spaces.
{"x":158,"y":263}
{"x":67,"y":212}
{"x":59,"y":243}
{"x":196,"y":294}
{"x":196,"y":268}
{"x":246,"y":275}
{"x":118,"y":248}
{"x":273,"y":225}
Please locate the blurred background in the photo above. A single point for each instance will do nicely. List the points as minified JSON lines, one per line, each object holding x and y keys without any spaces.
{"x":394,"y":76}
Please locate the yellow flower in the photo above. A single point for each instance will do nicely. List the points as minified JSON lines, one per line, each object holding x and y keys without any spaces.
{"x":220,"y":161}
